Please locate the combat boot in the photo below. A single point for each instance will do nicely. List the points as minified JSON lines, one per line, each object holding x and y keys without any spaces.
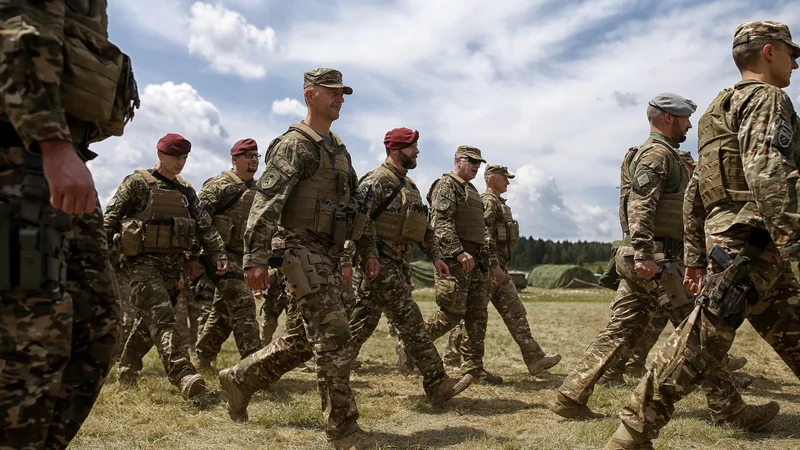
{"x":543,"y":363}
{"x":404,"y":363}
{"x":742,"y":380}
{"x":485,"y":376}
{"x":449,"y":388}
{"x":192,"y":386}
{"x":127,"y":379}
{"x":734,"y":363}
{"x":204,"y":363}
{"x":238,"y":399}
{"x":356,"y":441}
{"x":752,"y":417}
{"x":626,"y":438}
{"x":570,"y":409}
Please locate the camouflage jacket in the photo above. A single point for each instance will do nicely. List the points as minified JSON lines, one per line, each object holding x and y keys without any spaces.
{"x":492,"y":212}
{"x":132,"y":197}
{"x":31,"y":58}
{"x":292,"y":158}
{"x":382,"y":187}
{"x":694,"y":236}
{"x":220,"y":191}
{"x":444,"y":198}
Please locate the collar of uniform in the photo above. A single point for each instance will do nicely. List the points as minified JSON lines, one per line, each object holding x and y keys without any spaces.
{"x":458,"y":178}
{"x":495,"y":196}
{"x":390,"y":165}
{"x":661,"y":137}
{"x":310,"y":131}
{"x":235,"y":177}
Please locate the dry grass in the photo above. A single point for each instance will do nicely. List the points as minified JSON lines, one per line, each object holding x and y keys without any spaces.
{"x":512,"y":416}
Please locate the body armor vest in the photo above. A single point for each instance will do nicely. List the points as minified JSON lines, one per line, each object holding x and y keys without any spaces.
{"x":408,"y":225}
{"x":470,"y":226}
{"x":720,"y":172}
{"x":319,"y":203}
{"x":668,"y":221}
{"x":166,"y":224}
{"x":506,"y":228}
{"x":231,"y":223}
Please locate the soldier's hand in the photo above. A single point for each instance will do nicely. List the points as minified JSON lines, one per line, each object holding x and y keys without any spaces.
{"x":693,"y":279}
{"x":467,"y":261}
{"x":442,"y":269}
{"x":257,"y":278}
{"x":498,"y":275}
{"x":347,"y":274}
{"x":70,"y":182}
{"x":222,"y":267}
{"x":372,"y":268}
{"x":645,"y":269}
{"x":191,"y":268}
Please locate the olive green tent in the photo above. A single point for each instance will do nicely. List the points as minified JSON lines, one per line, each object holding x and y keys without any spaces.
{"x":552,"y":276}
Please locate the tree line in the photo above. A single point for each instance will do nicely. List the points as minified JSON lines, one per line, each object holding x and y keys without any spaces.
{"x":529,"y":252}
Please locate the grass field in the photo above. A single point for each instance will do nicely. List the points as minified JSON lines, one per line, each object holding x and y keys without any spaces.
{"x":392,"y":406}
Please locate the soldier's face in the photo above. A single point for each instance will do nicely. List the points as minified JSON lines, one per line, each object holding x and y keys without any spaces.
{"x":784,"y":62}
{"x":327,"y":102}
{"x":467,"y":167}
{"x":679,"y":128}
{"x":173,"y":164}
{"x":408,"y":156}
{"x":499,"y":182}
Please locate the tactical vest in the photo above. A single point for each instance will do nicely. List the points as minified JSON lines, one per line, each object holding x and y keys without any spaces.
{"x":97,"y":83}
{"x":668,"y":220}
{"x":320,"y":203}
{"x":231,"y":223}
{"x":165,"y":225}
{"x":719,"y":164}
{"x":408,"y":225}
{"x":506,"y":230}
{"x":469,"y":214}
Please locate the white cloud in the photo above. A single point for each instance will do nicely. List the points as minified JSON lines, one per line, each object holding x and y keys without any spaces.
{"x":288,"y":107}
{"x":228,"y":41}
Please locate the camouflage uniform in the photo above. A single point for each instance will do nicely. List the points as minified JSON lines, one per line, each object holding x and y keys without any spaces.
{"x":503,"y":232}
{"x":199,"y":295}
{"x":275,"y":301}
{"x":652,"y":185}
{"x":316,"y":323}
{"x":390,"y":292}
{"x":760,"y":166}
{"x":233,"y":308}
{"x":123,"y":278}
{"x":155,"y":275}
{"x":462,"y":295}
{"x":58,"y":334}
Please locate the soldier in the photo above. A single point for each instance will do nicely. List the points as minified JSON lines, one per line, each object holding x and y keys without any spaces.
{"x":199,"y":294}
{"x":457,"y":220}
{"x":123,"y":279}
{"x":742,"y":204}
{"x":401,"y":220}
{"x":307,"y":207}
{"x":275,"y":301}
{"x":227,"y":198}
{"x":154,"y":218}
{"x":60,"y":316}
{"x":503,"y":231}
{"x":652,"y":186}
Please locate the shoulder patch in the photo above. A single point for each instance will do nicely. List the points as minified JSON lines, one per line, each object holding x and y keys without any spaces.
{"x":269,"y":179}
{"x":784,"y":136}
{"x":444,"y":204}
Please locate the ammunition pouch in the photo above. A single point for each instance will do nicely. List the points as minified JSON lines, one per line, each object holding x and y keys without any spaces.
{"x":610,"y":278}
{"x":672,"y":294}
{"x":224,"y":226}
{"x":301,"y":269}
{"x":414,"y":226}
{"x":172,"y":235}
{"x":131,"y":236}
{"x":339,"y":222}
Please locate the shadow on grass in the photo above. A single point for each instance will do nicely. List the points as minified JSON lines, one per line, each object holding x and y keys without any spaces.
{"x":783,"y":426}
{"x":435,"y":438}
{"x":470,"y":406}
{"x":543,"y":381}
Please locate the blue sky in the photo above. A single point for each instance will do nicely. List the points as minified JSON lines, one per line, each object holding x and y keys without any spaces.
{"x":555,"y":90}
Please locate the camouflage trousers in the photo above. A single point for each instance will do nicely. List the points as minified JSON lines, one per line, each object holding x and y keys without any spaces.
{"x":635,"y":363}
{"x":316,"y":326}
{"x":390,"y":293}
{"x":274,"y":305}
{"x":233,"y":310}
{"x":461,"y":296}
{"x":123,"y":278}
{"x":698,"y":346}
{"x":154,"y":293}
{"x":56,"y":342}
{"x":199,"y":295}
{"x":505,"y":299}
{"x":632,"y":311}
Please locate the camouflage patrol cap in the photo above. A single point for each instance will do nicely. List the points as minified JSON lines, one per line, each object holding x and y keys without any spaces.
{"x":674,"y":104}
{"x":331,"y":78}
{"x":763,"y":30}
{"x":469,"y":152}
{"x":499,"y":170}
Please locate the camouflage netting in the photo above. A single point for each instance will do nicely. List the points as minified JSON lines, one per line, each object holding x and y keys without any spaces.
{"x":552,"y":276}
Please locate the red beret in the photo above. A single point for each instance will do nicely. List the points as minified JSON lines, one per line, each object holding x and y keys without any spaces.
{"x":400,"y":138}
{"x":174,"y":144}
{"x":243,"y":145}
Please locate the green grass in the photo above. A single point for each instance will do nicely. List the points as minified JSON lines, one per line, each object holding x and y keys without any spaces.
{"x":513,"y":416}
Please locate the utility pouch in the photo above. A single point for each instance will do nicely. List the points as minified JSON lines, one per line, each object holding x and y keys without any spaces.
{"x":224,"y":226}
{"x":502,"y":232}
{"x":182,"y":232}
{"x":157,"y":235}
{"x":324,"y":218}
{"x":295,"y":276}
{"x":342,"y":182}
{"x":672,"y":292}
{"x":414,"y":226}
{"x":513,"y":231}
{"x":339,"y":226}
{"x":132,"y":236}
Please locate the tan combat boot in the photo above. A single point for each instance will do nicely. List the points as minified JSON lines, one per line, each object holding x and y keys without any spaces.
{"x":238,"y":399}
{"x":449,"y":388}
{"x":626,"y":438}
{"x":483,"y":375}
{"x":204,"y":363}
{"x":752,"y":417}
{"x":356,"y":441}
{"x":543,"y":363}
{"x":734,"y":363}
{"x":192,"y":386}
{"x":570,"y":409}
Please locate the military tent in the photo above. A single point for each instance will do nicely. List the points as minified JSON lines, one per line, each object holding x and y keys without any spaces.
{"x":552,"y":276}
